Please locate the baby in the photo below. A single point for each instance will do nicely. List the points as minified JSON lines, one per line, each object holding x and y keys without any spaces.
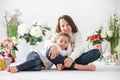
{"x":62,"y":43}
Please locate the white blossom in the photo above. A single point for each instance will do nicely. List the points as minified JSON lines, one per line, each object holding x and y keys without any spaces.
{"x":23,"y":29}
{"x":36,"y":31}
{"x":110,"y":33}
{"x":103,"y":34}
{"x":14,"y":40}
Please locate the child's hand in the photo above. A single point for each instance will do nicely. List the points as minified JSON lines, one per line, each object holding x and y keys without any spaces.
{"x":53,"y":52}
{"x":68,"y":62}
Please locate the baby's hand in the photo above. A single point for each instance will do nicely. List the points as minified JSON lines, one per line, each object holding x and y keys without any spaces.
{"x":59,"y":67}
{"x":53,"y":52}
{"x":68,"y":62}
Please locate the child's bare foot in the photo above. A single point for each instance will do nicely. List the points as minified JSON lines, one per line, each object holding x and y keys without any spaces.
{"x":59,"y":67}
{"x":12,"y":69}
{"x":89,"y":67}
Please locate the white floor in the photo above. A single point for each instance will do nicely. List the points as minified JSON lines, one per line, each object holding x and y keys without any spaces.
{"x":103,"y":72}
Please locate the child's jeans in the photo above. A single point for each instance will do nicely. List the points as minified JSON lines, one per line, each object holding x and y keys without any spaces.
{"x":33,"y":63}
{"x":84,"y":59}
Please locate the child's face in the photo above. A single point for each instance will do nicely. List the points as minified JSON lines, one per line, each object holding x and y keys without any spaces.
{"x":63,"y":42}
{"x":64,"y":26}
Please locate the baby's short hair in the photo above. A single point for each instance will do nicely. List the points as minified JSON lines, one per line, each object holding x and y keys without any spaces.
{"x":63,"y":34}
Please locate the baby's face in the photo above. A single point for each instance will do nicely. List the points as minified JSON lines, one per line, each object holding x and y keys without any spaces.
{"x":63,"y":42}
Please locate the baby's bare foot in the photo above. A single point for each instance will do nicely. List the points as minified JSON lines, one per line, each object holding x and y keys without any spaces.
{"x":59,"y":67}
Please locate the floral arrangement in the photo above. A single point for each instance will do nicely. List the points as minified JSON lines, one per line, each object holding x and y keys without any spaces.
{"x":6,"y":47}
{"x":110,"y":33}
{"x":114,"y":26}
{"x":33,"y":33}
{"x":95,"y":38}
{"x":11,"y":21}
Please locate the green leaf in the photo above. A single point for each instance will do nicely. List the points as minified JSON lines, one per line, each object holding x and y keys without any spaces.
{"x":47,"y":28}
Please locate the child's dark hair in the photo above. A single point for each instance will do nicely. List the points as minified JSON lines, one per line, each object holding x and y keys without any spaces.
{"x":70,"y":22}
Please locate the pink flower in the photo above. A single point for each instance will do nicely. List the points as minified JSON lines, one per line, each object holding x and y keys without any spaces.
{"x":10,"y":45}
{"x":6,"y":41}
{"x":15,"y":19}
{"x":6,"y":50}
{"x":6,"y":47}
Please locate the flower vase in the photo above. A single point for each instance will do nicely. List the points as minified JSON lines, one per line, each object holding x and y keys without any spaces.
{"x":113,"y":45}
{"x":7,"y":61}
{"x":103,"y":57}
{"x":99,"y":47}
{"x":114,"y":40}
{"x":118,"y":61}
{"x":114,"y":56}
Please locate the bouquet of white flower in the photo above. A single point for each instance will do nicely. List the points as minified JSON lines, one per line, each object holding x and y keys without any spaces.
{"x":33,"y":33}
{"x":112,"y":34}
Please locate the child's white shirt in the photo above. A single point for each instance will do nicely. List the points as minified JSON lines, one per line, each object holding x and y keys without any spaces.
{"x":64,"y":52}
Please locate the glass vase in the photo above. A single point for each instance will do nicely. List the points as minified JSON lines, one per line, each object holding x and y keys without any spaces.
{"x":7,"y":61}
{"x":114,"y":56}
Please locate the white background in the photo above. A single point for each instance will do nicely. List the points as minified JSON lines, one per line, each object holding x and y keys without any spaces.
{"x":87,"y":14}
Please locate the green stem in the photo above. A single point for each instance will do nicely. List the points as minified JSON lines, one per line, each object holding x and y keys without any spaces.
{"x":13,"y":52}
